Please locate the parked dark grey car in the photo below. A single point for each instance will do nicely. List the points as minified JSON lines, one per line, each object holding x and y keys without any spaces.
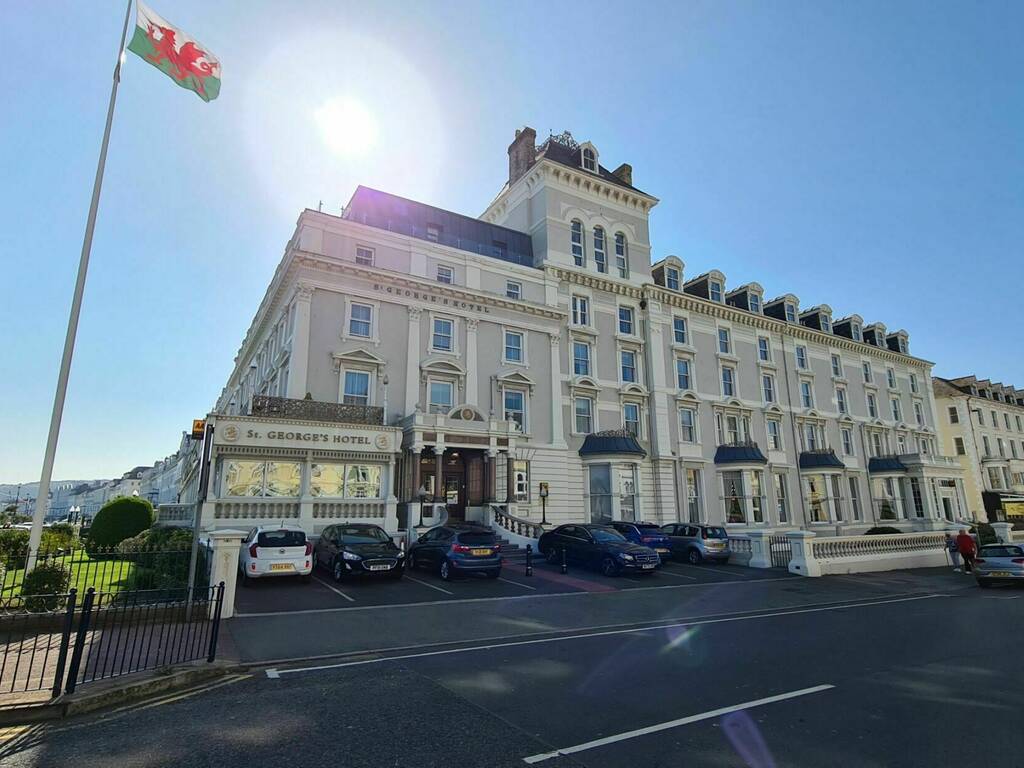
{"x":453,"y":549}
{"x":697,"y":543}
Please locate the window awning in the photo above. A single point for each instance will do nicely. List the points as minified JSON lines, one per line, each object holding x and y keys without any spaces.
{"x":611,"y":442}
{"x":820,"y":460}
{"x":740,"y":453}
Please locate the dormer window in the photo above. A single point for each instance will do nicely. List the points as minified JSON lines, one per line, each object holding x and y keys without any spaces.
{"x":589,"y":160}
{"x":715,"y":290}
{"x":790,"y":313}
{"x":672,"y":278}
{"x":855,"y":331}
{"x":826,"y":326}
{"x":754,"y":302}
{"x":903,"y":345}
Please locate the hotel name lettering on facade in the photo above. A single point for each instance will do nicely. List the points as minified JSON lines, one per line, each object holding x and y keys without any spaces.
{"x":290,"y":436}
{"x":423,"y":296}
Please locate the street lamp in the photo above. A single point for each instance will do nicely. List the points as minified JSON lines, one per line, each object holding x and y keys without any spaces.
{"x":543,"y":503}
{"x":422,"y":494}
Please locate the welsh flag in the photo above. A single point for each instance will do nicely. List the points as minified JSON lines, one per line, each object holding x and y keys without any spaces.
{"x":174,"y":53}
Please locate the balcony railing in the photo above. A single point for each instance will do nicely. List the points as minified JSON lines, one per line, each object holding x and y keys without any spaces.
{"x":314,"y":410}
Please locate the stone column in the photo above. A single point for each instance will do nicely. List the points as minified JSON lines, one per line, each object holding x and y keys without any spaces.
{"x":490,"y":475}
{"x":557,"y":426}
{"x":415,"y":454}
{"x":802,"y":561}
{"x":510,"y":479}
{"x":439,"y":473}
{"x":472,"y":395}
{"x":306,"y":519}
{"x":412,"y":356}
{"x":298,"y":359}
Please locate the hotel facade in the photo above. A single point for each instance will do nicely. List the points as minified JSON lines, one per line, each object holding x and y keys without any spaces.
{"x":982,"y":423}
{"x":405,"y":353}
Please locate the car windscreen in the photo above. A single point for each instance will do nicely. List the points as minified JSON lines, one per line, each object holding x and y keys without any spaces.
{"x":475,"y":539}
{"x":716,"y":533}
{"x":1001,"y":552}
{"x":648,"y":528}
{"x":361,"y":535}
{"x":281,"y":539}
{"x":606,"y":534}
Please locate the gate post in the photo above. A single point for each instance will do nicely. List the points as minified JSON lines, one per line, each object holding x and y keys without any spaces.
{"x":760,"y":549}
{"x":224,"y":545}
{"x":1003,"y":532}
{"x":65,"y":641}
{"x":83,"y":629}
{"x":801,"y":559}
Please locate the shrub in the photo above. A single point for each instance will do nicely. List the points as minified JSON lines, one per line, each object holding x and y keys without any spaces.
{"x":58,"y":536}
{"x":986,"y":533}
{"x":13,"y":546}
{"x":161,"y":558}
{"x":881,"y":530}
{"x":43,"y":586}
{"x":158,"y":537}
{"x":119,"y":519}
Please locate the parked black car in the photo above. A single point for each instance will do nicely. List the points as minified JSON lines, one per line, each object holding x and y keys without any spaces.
{"x":597,"y":546}
{"x":358,"y":549}
{"x":453,"y":549}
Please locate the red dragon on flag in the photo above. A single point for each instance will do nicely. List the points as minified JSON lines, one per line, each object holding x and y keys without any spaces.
{"x":187,"y":62}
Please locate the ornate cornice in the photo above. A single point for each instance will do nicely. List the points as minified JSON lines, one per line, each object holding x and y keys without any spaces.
{"x":735,"y":315}
{"x":596,"y":282}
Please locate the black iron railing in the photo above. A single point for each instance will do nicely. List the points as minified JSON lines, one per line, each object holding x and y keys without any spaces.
{"x":68,"y":643}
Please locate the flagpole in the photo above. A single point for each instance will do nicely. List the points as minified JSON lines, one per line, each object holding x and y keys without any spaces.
{"x":43,"y":493}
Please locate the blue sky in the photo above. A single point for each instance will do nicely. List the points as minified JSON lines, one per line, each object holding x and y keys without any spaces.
{"x":866,"y":155}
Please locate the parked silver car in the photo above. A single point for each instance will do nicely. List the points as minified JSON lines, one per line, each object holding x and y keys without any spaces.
{"x":696,"y":543}
{"x":999,"y":562}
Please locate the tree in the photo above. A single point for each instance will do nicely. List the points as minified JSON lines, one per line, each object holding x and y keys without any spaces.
{"x":119,"y":519}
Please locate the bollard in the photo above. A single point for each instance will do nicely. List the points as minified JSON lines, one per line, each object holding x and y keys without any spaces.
{"x":529,"y":560}
{"x":565,"y":565}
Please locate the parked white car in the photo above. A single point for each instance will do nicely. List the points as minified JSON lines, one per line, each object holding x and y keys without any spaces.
{"x":280,"y":550}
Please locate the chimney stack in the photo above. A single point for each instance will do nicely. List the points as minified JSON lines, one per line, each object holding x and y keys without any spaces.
{"x":624,"y":173}
{"x":521,"y":153}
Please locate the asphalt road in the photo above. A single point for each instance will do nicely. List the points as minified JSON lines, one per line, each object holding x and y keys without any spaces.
{"x":905,"y":669}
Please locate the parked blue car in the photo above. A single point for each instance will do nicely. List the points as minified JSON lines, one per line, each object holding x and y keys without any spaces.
{"x":647,"y":535}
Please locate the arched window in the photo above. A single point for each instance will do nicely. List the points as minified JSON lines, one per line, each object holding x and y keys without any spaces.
{"x":621,"y":255}
{"x":577,"y":243}
{"x":589,"y":160}
{"x":600,"y":255}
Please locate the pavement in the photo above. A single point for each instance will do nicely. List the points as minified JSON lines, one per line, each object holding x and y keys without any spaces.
{"x":894,"y":669}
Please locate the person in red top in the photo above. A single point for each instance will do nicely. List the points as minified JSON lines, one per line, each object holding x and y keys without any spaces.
{"x":967,"y":548}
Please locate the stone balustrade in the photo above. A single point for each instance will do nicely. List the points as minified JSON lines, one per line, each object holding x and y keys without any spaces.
{"x":819,"y":556}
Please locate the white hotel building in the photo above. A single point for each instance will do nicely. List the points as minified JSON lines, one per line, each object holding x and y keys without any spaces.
{"x":402,"y":349}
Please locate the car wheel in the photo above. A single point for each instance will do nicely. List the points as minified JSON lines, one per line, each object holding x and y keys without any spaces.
{"x":985,"y":583}
{"x":338,"y":571}
{"x":410,"y":561}
{"x":694,"y":557}
{"x":609,"y":567}
{"x":494,"y":574}
{"x":316,"y":560}
{"x":446,"y":570}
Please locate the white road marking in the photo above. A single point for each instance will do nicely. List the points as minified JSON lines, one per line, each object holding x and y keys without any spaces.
{"x":606,"y":633}
{"x":674,"y":723}
{"x":539,"y":596}
{"x":428,"y":584}
{"x":334,"y":589}
{"x":707,"y":568}
{"x":509,"y":581}
{"x":677,"y":575}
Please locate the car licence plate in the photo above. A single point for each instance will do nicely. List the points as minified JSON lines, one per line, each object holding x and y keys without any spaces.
{"x":662,"y":551}
{"x":282,"y":567}
{"x":647,"y":566}
{"x":380,"y":567}
{"x":1000,"y":573}
{"x":480,"y":551}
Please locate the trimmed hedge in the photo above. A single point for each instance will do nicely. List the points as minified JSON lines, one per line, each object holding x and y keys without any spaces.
{"x":13,"y":545}
{"x":120,"y":519}
{"x":986,"y":533}
{"x":881,"y":530}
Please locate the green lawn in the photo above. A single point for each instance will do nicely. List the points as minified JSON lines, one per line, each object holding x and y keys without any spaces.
{"x":103,"y":574}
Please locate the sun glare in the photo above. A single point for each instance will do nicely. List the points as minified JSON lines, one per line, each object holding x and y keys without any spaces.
{"x":346,"y":127}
